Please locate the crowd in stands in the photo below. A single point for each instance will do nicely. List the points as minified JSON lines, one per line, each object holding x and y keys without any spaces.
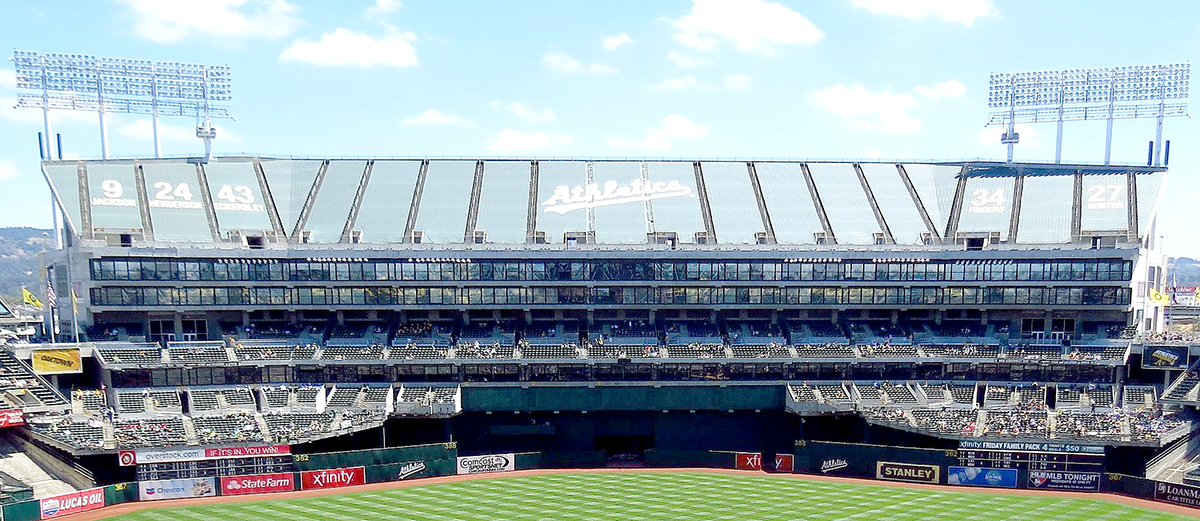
{"x":236,"y":427}
{"x":1029,"y":420}
{"x":475,"y":350}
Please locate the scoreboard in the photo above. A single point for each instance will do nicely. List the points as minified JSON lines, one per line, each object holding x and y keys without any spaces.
{"x":1061,"y":457}
{"x":212,"y":468}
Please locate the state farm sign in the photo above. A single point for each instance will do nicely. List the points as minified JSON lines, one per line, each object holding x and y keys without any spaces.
{"x":333,"y":478}
{"x":257,"y":484}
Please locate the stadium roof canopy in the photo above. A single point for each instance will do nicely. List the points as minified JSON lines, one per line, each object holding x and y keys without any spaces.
{"x":490,"y":203}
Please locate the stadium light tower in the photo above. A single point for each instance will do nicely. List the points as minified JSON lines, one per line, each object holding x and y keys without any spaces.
{"x":1130,"y":92}
{"x":124,"y":86}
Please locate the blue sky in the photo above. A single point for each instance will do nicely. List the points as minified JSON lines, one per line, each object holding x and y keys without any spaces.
{"x":903,"y":79}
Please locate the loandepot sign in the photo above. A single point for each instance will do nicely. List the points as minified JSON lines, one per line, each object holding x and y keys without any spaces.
{"x":567,"y":199}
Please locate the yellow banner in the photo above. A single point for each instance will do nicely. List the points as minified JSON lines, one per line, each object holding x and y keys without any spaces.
{"x":57,"y":361}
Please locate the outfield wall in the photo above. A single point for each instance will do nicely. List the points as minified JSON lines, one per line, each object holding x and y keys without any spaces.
{"x":341,"y":469}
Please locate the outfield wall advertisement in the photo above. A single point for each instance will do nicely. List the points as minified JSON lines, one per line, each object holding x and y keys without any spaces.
{"x":11,"y":418}
{"x":1178,"y":494}
{"x":177,"y":488}
{"x":333,"y":478}
{"x":72,"y":503}
{"x":783,"y":463}
{"x":982,"y":477}
{"x":486,"y":463}
{"x":911,"y":472}
{"x":1074,"y":481}
{"x":258,"y":484}
{"x":749,"y":461}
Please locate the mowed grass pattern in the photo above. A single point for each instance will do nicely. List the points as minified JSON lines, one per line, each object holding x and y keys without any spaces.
{"x":653,"y":497}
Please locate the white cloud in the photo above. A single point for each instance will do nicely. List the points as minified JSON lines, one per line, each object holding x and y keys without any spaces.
{"x":750,"y":25}
{"x":525,"y":112}
{"x":945,"y":89}
{"x":686,"y":61}
{"x":174,"y":21}
{"x":433,"y":117}
{"x":143,"y":129}
{"x":991,"y":135}
{"x":510,"y":140}
{"x":659,"y":137}
{"x":881,"y":111}
{"x":613,"y":42}
{"x":737,"y":81}
{"x":685,"y":82}
{"x":8,"y":170}
{"x":383,"y":7}
{"x":953,"y":11}
{"x":8,"y":79}
{"x":561,"y":61}
{"x":346,"y":47}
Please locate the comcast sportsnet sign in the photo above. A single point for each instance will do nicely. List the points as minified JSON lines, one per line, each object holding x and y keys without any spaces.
{"x":488,"y":463}
{"x":72,"y":503}
{"x":257,"y":484}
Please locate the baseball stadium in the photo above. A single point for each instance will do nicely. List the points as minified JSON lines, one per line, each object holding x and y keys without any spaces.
{"x":552,"y":338}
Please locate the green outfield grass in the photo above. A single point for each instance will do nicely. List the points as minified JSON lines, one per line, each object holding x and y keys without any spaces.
{"x":669,"y":496}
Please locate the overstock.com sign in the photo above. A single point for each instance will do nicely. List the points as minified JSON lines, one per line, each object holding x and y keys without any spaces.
{"x":486,"y":463}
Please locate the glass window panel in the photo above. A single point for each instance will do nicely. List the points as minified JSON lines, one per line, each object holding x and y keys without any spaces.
{"x":895,"y":202}
{"x":621,"y":223}
{"x":560,"y":176}
{"x":1148,"y":187}
{"x":383,"y":212}
{"x":735,"y":213}
{"x":935,"y":185}
{"x":176,"y":203}
{"x":504,"y":201}
{"x":290,"y":183}
{"x":237,"y":196}
{"x":1105,"y":200}
{"x":676,"y":213}
{"x":114,"y":196}
{"x":445,"y":200}
{"x":845,"y":203}
{"x":789,"y":202}
{"x":64,"y":180}
{"x":1046,"y":209}
{"x":331,"y":209}
{"x":987,"y":205}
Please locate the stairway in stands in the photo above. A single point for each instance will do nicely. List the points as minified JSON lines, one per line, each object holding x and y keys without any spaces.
{"x":18,"y":465}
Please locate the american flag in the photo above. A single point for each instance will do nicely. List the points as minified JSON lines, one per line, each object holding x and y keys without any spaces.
{"x":51,"y":296}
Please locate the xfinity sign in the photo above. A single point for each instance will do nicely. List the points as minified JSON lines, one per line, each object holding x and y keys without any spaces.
{"x":567,"y":199}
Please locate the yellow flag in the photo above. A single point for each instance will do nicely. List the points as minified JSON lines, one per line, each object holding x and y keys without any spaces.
{"x":1159,"y":299}
{"x":28,"y":298}
{"x":74,"y":302}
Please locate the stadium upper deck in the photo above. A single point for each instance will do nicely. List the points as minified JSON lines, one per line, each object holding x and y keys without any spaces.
{"x":494,"y":204}
{"x":189,"y":245}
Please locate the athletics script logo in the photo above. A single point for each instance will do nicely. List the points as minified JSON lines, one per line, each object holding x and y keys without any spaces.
{"x":566,"y":199}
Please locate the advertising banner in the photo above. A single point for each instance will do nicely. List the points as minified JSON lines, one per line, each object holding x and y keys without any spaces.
{"x":257,"y":484}
{"x":749,"y":461}
{"x":911,"y":472}
{"x":1076,"y":481}
{"x":56,"y":361}
{"x":177,"y":488}
{"x":783,"y":463}
{"x":833,"y":465}
{"x":982,"y":477}
{"x":1015,"y":446}
{"x":71,"y":503}
{"x":142,"y":457}
{"x":333,"y":478}
{"x":11,"y":418}
{"x":1165,"y":357}
{"x":1174,"y":493}
{"x":486,"y":463}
